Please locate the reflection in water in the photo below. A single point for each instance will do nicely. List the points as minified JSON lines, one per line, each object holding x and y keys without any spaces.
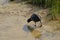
{"x":35,"y":32}
{"x":25,"y":28}
{"x":28,"y":28}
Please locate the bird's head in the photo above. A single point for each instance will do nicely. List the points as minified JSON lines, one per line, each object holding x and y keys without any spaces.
{"x":29,"y":20}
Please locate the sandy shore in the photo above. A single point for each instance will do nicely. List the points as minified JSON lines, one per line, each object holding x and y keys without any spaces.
{"x":12,"y":20}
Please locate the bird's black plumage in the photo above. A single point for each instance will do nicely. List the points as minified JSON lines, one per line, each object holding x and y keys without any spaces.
{"x":11,"y":0}
{"x":34,"y":18}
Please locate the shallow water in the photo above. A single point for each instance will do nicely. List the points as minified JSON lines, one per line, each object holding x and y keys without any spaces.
{"x":25,"y":28}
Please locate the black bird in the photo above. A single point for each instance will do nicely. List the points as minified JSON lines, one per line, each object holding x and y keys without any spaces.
{"x":11,"y":0}
{"x":34,"y":18}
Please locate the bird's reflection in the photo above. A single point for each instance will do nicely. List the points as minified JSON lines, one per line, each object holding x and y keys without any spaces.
{"x":25,"y":28}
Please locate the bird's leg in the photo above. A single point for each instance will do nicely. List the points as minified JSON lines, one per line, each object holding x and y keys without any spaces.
{"x":41,"y":24}
{"x":35,"y":24}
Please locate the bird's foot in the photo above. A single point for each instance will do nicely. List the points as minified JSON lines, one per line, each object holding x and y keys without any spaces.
{"x":35,"y":26}
{"x":40,"y":25}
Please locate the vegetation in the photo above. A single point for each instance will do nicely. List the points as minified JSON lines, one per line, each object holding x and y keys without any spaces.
{"x":55,"y":9}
